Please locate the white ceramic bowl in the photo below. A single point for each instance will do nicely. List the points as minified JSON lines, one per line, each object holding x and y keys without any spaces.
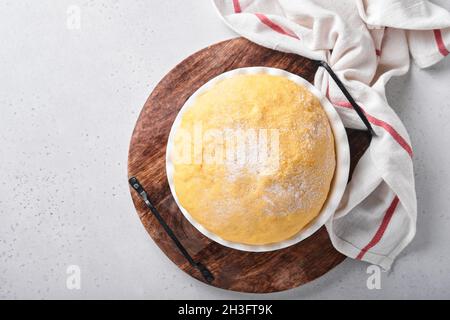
{"x":338,"y":183}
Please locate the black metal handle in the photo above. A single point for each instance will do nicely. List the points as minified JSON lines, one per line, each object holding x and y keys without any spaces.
{"x":136,"y":185}
{"x":350,"y":99}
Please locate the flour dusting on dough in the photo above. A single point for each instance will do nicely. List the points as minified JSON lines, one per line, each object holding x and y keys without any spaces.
{"x":245,"y":201}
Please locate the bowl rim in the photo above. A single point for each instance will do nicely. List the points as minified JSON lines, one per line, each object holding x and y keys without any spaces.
{"x":340,"y":177}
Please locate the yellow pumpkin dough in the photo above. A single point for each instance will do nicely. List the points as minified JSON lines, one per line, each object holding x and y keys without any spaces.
{"x":260,"y":202}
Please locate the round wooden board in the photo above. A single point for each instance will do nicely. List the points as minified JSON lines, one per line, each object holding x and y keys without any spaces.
{"x":233,"y":269}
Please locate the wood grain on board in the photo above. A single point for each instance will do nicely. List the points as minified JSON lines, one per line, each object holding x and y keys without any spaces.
{"x":233,"y":269}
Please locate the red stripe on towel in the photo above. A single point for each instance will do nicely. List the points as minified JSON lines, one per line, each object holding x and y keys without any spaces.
{"x":380,"y":123}
{"x":386,"y":126}
{"x":381,"y":229}
{"x":440,"y":42}
{"x":275,"y":27}
{"x":237,"y":6}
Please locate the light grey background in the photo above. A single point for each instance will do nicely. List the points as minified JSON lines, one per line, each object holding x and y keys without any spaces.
{"x":69,"y":100}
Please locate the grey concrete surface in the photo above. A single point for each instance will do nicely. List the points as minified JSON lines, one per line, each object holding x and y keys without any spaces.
{"x":69,"y":99}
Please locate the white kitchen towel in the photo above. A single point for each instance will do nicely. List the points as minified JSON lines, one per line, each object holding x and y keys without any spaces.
{"x":366,"y":42}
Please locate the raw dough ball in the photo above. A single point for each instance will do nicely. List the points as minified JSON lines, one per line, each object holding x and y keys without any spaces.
{"x":238,"y":194}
